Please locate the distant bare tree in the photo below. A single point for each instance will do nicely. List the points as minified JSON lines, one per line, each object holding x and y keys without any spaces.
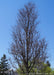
{"x":27,"y":47}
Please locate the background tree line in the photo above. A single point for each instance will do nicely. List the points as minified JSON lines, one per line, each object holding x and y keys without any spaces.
{"x":5,"y":67}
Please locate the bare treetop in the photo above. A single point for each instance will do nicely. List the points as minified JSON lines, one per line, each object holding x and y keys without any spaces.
{"x":27,"y":48}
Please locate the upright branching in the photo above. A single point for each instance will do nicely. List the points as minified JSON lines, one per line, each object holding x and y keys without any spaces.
{"x":27,"y":48}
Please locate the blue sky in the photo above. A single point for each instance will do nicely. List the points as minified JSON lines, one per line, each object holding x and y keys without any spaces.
{"x":8,"y":15}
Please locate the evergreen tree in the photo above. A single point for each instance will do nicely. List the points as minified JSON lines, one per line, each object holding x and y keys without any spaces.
{"x":3,"y":65}
{"x":48,"y":63}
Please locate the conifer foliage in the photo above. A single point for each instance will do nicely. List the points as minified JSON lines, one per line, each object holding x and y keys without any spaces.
{"x":4,"y":65}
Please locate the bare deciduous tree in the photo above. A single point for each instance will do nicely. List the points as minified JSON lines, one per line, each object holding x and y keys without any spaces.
{"x":27,"y":47}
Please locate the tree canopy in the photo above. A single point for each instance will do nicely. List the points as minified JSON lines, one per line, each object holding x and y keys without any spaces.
{"x":27,"y":46}
{"x":4,"y":65}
